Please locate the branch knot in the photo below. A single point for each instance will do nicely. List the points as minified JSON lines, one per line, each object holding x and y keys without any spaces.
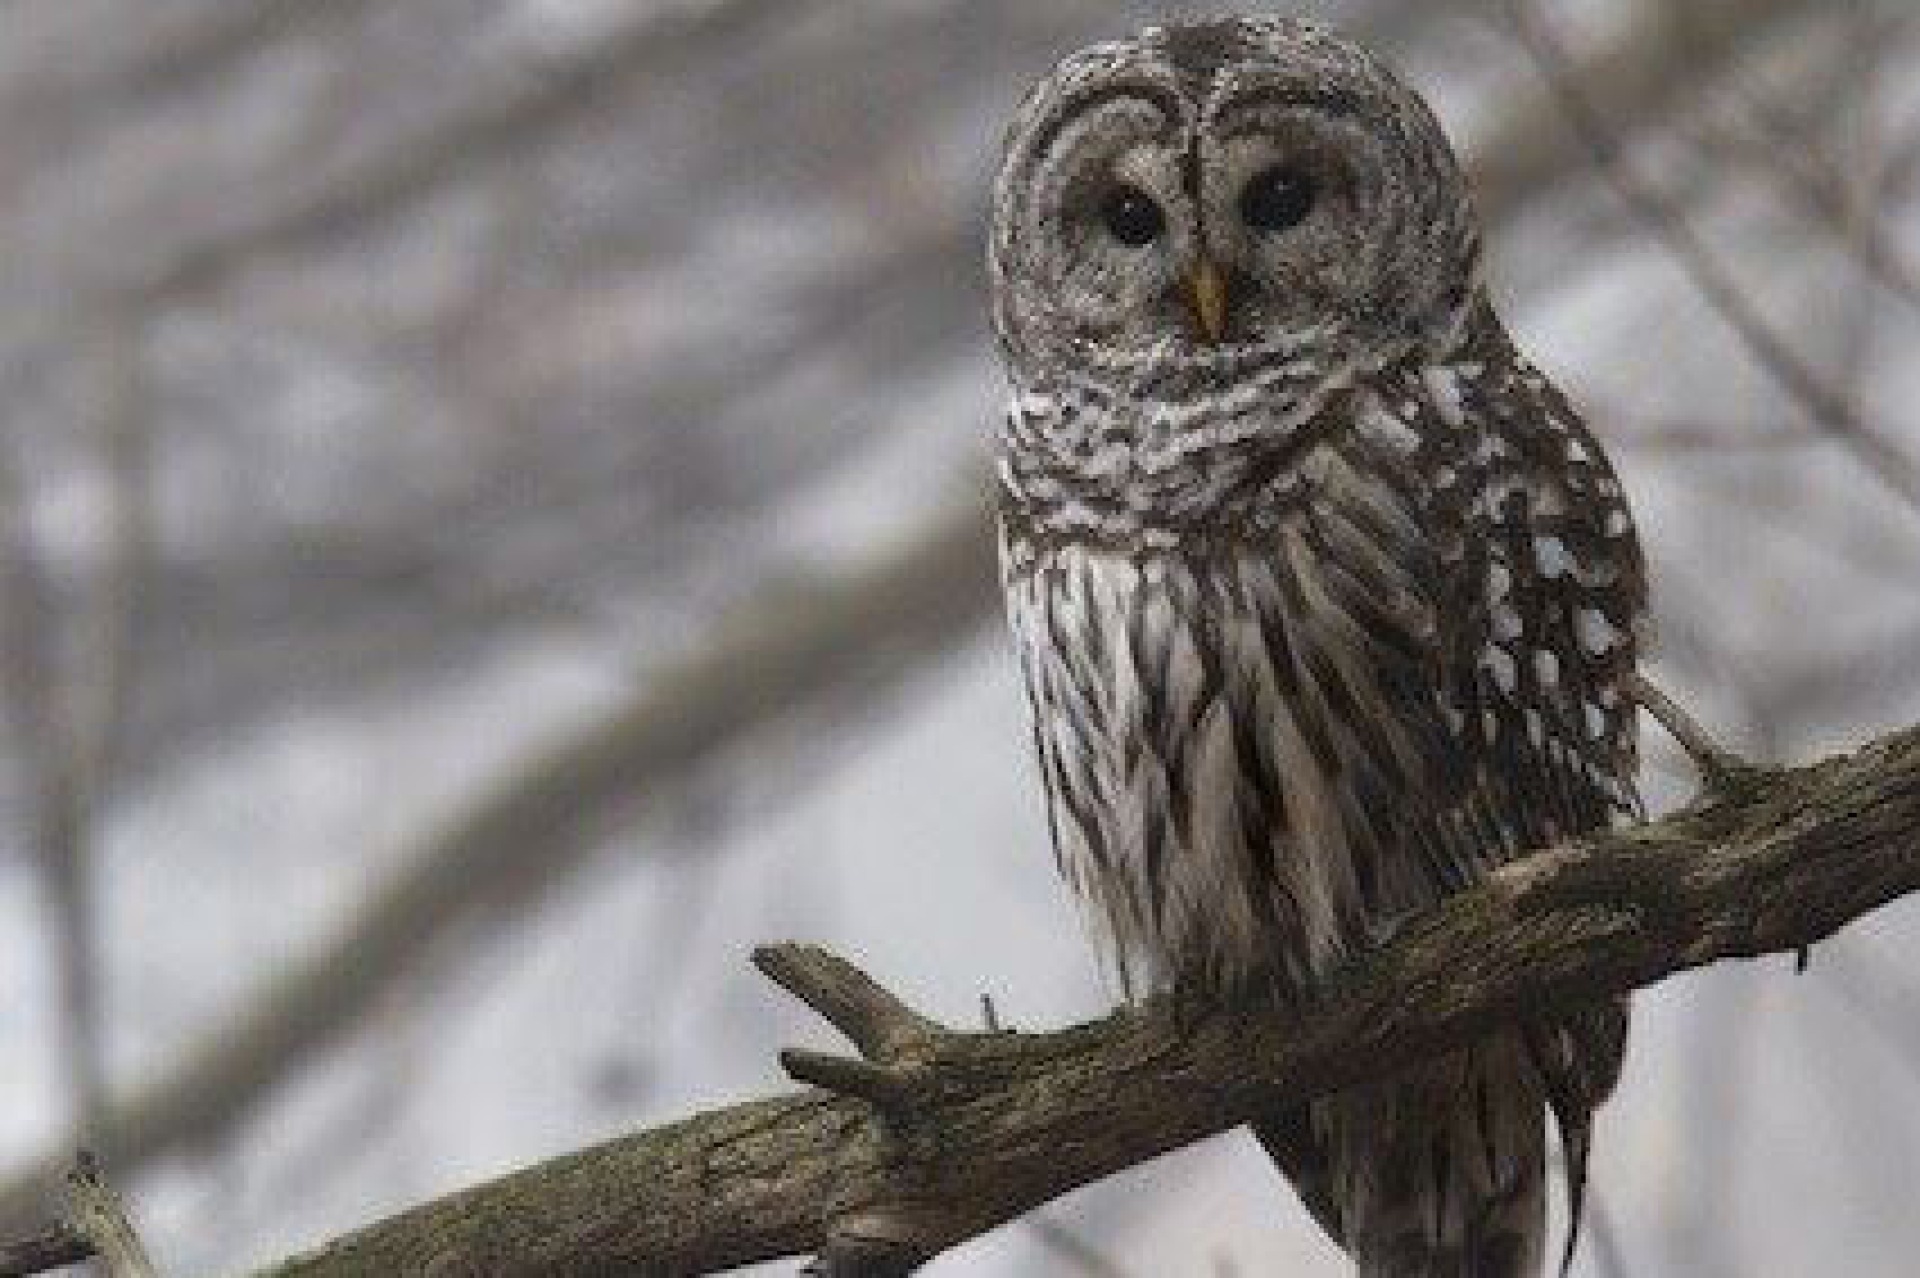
{"x":897,"y":1069}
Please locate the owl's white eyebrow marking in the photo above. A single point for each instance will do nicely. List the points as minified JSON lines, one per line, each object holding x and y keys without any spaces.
{"x":1073,"y":110}
{"x":1240,"y":99}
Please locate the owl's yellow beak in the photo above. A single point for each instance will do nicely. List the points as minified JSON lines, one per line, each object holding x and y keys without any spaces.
{"x":1207,"y":289}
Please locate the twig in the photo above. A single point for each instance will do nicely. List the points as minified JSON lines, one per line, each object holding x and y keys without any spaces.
{"x":97,"y":1214}
{"x":56,"y":1247}
{"x":96,"y":1227}
{"x":887,"y":1088}
{"x":107,"y":660}
{"x":894,"y":1077}
{"x":1715,"y":763}
{"x":871,"y":1017}
{"x":1013,"y":1120}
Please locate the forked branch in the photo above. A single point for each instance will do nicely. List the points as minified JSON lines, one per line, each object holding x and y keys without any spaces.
{"x":930,"y":1136}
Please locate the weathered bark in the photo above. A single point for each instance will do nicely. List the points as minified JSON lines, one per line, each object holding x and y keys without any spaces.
{"x":961,"y":1132}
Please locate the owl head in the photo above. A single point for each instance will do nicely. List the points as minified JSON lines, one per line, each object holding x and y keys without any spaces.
{"x":1175,"y":209}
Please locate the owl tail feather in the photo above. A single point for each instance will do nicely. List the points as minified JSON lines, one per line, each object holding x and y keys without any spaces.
{"x":1439,"y":1172}
{"x":1573,"y":1116}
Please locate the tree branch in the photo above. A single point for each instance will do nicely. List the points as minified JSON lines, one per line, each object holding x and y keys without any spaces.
{"x":56,"y":1247}
{"x":980,"y":1128}
{"x":95,"y":1213}
{"x":95,"y":1227}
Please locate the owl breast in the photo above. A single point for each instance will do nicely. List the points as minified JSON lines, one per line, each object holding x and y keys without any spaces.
{"x":1261,"y":744}
{"x":1159,"y":684}
{"x":1195,"y":711}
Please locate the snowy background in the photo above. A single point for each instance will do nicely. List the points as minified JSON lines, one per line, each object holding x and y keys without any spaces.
{"x":399,"y":402}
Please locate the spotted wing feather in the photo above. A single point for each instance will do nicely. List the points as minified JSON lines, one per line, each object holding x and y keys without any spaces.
{"x":1531,"y":568}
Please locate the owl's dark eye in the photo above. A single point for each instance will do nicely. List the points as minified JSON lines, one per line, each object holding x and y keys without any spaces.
{"x":1278,"y":199}
{"x":1131,"y":216}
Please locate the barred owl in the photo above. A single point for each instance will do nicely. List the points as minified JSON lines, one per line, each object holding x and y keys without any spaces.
{"x":1324,"y":596}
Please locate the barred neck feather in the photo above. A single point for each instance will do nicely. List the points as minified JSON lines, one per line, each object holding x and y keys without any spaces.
{"x":1192,"y":444}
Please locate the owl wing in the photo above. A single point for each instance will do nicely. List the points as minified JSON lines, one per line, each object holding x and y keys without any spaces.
{"x":1544,"y":697}
{"x":1464,"y":592}
{"x":1471,"y":544}
{"x":1542,"y":636}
